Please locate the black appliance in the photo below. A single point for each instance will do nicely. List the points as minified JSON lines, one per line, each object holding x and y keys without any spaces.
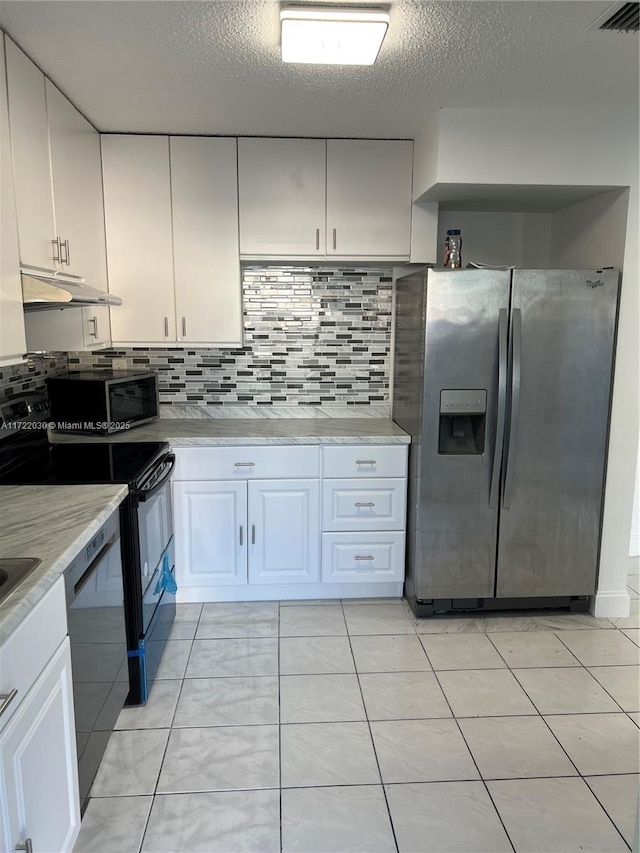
{"x":97,"y":632}
{"x":102,"y":401}
{"x":146,"y":527}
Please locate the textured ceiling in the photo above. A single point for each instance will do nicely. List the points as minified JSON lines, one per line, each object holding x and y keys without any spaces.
{"x":214,"y":67}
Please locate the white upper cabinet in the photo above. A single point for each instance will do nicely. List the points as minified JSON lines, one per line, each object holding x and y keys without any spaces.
{"x":30,"y":148}
{"x":12,"y":335}
{"x":282,"y":197}
{"x":204,"y":193}
{"x":77,"y":189}
{"x":137,"y":201}
{"x":369,"y":198}
{"x":325,"y":198}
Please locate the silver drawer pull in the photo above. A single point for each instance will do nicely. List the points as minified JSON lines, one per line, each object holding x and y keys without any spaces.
{"x":26,"y":846}
{"x":244,"y":464}
{"x":253,"y":534}
{"x":6,"y":699}
{"x":359,"y":504}
{"x":361,"y":557}
{"x":365,"y":461}
{"x":241,"y":535}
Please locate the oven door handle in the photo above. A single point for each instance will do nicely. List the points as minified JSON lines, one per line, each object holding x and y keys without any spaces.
{"x":146,"y":495}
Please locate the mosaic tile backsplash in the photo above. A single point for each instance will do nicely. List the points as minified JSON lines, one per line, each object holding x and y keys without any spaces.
{"x":24,"y":378}
{"x":313,"y":337}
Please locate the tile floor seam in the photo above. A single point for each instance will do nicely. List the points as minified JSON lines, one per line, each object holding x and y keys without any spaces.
{"x":473,"y":758}
{"x":166,"y":746}
{"x":584,"y":666}
{"x":371,"y":738}
{"x":602,"y":806}
{"x":279,"y":738}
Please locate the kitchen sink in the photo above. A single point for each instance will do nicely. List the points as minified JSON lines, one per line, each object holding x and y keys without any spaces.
{"x":13,"y":570}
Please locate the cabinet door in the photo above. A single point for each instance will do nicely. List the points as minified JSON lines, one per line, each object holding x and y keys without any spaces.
{"x":204,"y":194}
{"x":39,"y":763}
{"x":12,"y":335}
{"x":282,"y":196}
{"x":369,"y":198}
{"x":76,"y":171}
{"x":30,"y":148}
{"x":137,"y":200}
{"x":210,"y":522}
{"x":284,"y":531}
{"x":96,"y":326}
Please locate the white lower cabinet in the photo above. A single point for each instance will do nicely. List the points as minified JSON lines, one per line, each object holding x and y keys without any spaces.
{"x":284,"y":519}
{"x":356,"y":557}
{"x":231,"y":533}
{"x":38,"y":763}
{"x":210,"y":524}
{"x":261,"y":522}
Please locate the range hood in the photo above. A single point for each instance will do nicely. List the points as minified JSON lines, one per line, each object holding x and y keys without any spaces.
{"x":44,"y":290}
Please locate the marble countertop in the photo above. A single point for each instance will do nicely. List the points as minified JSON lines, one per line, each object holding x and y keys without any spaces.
{"x":52,"y":523}
{"x":211,"y":432}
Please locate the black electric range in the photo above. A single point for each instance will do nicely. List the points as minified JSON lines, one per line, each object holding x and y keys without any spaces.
{"x":27,"y":457}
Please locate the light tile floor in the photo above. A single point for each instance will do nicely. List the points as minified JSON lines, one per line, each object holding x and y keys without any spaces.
{"x":349,"y":726}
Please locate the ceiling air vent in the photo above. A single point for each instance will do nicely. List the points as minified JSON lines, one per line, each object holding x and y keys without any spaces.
{"x":624,"y":20}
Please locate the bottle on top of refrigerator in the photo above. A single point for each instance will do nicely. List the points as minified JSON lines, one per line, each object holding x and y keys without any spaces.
{"x":453,"y":249}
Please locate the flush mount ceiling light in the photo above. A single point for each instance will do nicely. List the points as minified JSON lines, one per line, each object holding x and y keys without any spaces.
{"x":328,"y":35}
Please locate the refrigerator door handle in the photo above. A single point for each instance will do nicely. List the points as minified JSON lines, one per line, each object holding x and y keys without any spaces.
{"x":516,"y":341}
{"x":502,"y":406}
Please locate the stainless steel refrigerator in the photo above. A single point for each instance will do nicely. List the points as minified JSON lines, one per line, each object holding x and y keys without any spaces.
{"x":503,"y":379}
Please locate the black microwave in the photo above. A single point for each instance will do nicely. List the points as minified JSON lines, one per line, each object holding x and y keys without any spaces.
{"x":102,"y":401}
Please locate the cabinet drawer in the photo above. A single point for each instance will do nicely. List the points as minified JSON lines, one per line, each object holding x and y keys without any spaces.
{"x":28,"y":650}
{"x":365,"y":460}
{"x":349,"y":557}
{"x":364,"y":504}
{"x":247,"y":463}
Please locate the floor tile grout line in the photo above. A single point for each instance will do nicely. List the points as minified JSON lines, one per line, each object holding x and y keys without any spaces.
{"x":606,"y":811}
{"x":373,"y":743}
{"x":171,"y":729}
{"x":279,"y":740}
{"x":481,"y":779}
{"x":584,"y":666}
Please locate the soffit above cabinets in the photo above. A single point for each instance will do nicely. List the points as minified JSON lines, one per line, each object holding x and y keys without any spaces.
{"x":215,"y":68}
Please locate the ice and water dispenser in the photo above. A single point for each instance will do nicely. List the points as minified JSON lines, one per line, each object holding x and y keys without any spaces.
{"x":463,"y":413}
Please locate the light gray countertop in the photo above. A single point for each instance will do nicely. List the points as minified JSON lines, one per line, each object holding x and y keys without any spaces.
{"x":212,"y":432}
{"x":52,"y":523}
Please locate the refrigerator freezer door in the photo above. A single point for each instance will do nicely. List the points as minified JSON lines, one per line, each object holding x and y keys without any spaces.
{"x":457,"y":545}
{"x":555,"y":458}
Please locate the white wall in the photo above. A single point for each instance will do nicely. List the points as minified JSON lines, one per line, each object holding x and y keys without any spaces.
{"x":592,"y":233}
{"x":579,"y":147}
{"x":634,"y":539}
{"x":503,"y":239}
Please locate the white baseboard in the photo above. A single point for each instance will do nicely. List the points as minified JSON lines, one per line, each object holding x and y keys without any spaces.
{"x":611,"y":604}
{"x":287,"y":592}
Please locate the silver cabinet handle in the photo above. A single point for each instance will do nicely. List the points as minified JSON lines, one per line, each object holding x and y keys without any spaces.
{"x":6,"y":699}
{"x":27,"y":846}
{"x":241,"y":535}
{"x":335,"y":238}
{"x":317,"y":238}
{"x":184,"y":327}
{"x":66,"y":259}
{"x":509,"y":463}
{"x":57,"y":249}
{"x":365,"y":461}
{"x":502,"y":407}
{"x":244,"y":464}
{"x":94,"y":333}
{"x":360,"y":503}
{"x":363,"y":557}
{"x":253,"y":534}
{"x":68,"y":253}
{"x":166,"y":327}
